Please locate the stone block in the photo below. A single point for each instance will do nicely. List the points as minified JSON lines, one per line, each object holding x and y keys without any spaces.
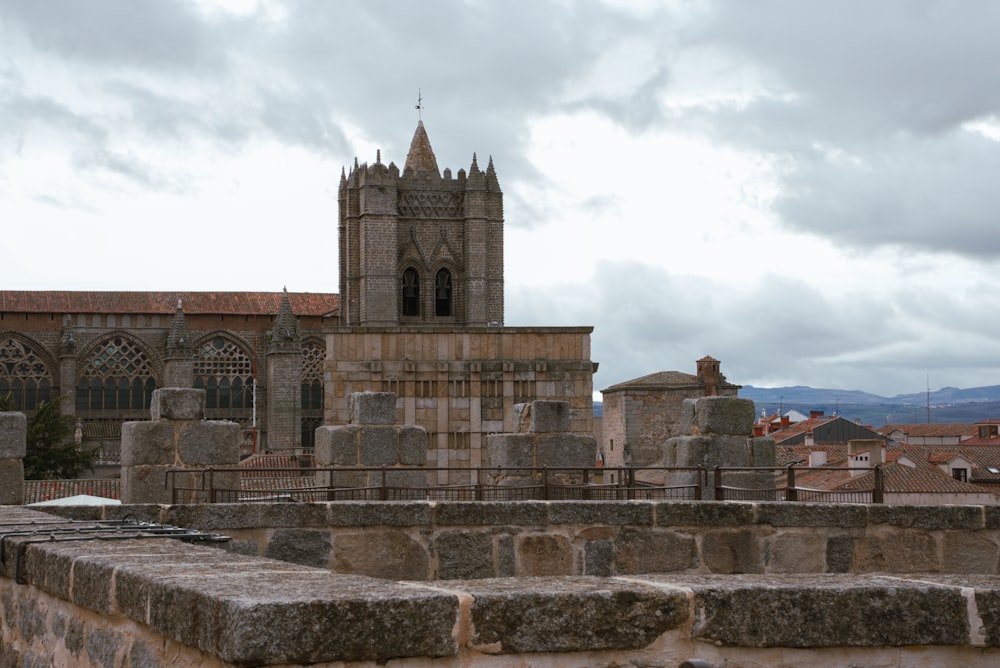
{"x":510,"y":451}
{"x":633,"y":513}
{"x":687,"y":422}
{"x":762,"y":451}
{"x":795,"y":552}
{"x":379,"y":446}
{"x":928,"y":517}
{"x":500,"y":513}
{"x":215,"y":516}
{"x":375,"y":408}
{"x":148,"y":484}
{"x":724,"y":416}
{"x":13,"y":435}
{"x":598,"y":558}
{"x":565,"y":450}
{"x":306,"y":547}
{"x":209,"y":443}
{"x":362,"y":514}
{"x":11,"y":482}
{"x":176,"y":403}
{"x":522,"y":418}
{"x":337,"y":446}
{"x":812,"y":611}
{"x":965,"y":552}
{"x":297,"y":515}
{"x":847,"y":515}
{"x":697,"y":514}
{"x":839,"y":553}
{"x":549,"y":554}
{"x":148,"y":443}
{"x":731,"y":551}
{"x":652,"y":551}
{"x":412,"y":446}
{"x":898,"y":552}
{"x":548,"y":417}
{"x":464,"y":555}
{"x":392,"y":555}
{"x":572,"y":615}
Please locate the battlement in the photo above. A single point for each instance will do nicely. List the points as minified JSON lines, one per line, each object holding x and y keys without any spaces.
{"x":151,"y":601}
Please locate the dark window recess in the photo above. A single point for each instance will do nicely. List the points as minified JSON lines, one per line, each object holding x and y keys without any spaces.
{"x":411,"y":292}
{"x":442,"y":293}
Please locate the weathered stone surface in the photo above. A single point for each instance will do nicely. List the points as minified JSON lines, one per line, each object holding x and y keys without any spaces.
{"x":218,"y":516}
{"x":731,"y":551}
{"x":565,"y":450}
{"x":300,"y":546}
{"x":372,"y":408}
{"x":412,"y":445}
{"x":294,"y":515}
{"x":549,"y":417}
{"x":724,"y":416}
{"x":839,"y":554}
{"x":414,"y":479}
{"x":504,"y":513}
{"x":510,"y":451}
{"x":379,"y":446}
{"x":928,"y":517}
{"x":825,"y":611}
{"x":13,"y":435}
{"x":654,"y":551}
{"x":148,"y":443}
{"x":381,"y":554}
{"x":638,"y":513}
{"x":337,"y":446}
{"x":11,"y":482}
{"x":176,"y":403}
{"x":147,"y":484}
{"x":598,"y":557}
{"x":796,"y":552}
{"x":545,"y":555}
{"x":209,"y":443}
{"x":374,"y":513}
{"x":697,"y":514}
{"x":522,"y":418}
{"x":910,"y":552}
{"x":464,"y":555}
{"x":813,"y":515}
{"x":571,"y":614}
{"x":965,"y":552}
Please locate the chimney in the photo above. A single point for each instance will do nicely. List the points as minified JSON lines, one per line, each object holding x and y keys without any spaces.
{"x":810,"y":441}
{"x":817,"y":457}
{"x":815,"y":414}
{"x":758,"y":430}
{"x":785,"y":421}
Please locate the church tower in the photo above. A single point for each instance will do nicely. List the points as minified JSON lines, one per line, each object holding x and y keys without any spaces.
{"x":419,"y":247}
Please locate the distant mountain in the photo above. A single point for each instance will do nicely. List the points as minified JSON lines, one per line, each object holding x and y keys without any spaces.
{"x":947,"y":405}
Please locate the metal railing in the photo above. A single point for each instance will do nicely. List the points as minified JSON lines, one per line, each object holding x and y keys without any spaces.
{"x":311,"y":484}
{"x":216,"y":484}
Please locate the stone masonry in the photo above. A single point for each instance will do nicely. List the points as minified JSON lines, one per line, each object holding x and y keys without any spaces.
{"x":13,"y":436}
{"x":372,"y":438}
{"x":542,"y":440}
{"x":717,"y":432}
{"x":177,"y":437}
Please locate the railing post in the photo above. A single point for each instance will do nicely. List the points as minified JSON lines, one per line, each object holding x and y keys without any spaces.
{"x":545,"y":483}
{"x":878,"y":494}
{"x":792,"y":494}
{"x":586,"y":481}
{"x":630,"y":492}
{"x":717,"y":484}
{"x":211,"y":487}
{"x":384,"y":491}
{"x":701,"y":475}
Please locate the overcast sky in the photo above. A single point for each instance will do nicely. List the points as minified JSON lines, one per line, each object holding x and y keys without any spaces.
{"x":807,"y":191}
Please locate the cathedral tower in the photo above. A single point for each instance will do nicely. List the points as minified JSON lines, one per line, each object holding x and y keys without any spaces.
{"x":419,"y":248}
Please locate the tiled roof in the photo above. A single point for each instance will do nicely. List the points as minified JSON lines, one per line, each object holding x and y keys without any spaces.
{"x":46,"y":490}
{"x":659,"y":380}
{"x":797,"y":428}
{"x":924,"y":430}
{"x":421,"y":155}
{"x":165,"y":303}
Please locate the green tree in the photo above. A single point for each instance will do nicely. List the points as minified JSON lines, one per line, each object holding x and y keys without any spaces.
{"x":50,"y":450}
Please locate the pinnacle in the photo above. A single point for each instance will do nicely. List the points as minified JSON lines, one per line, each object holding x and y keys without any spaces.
{"x":421,"y":155}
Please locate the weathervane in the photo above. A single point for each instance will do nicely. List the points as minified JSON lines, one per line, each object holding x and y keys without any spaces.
{"x":420,"y":105}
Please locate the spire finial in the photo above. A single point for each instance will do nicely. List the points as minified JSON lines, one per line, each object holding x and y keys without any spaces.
{"x":420,"y":105}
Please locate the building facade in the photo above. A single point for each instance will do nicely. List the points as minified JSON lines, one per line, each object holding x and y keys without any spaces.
{"x":258,"y":356}
{"x":421,"y":285}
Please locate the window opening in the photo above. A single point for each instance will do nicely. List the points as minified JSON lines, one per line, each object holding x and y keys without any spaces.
{"x":411,"y":292}
{"x":442,"y":293}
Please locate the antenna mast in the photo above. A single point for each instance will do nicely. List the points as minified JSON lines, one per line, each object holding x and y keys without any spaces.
{"x":420,"y":105}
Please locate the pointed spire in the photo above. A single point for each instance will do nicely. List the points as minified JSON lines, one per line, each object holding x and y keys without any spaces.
{"x":179,"y":336}
{"x":421,"y":155}
{"x":491,"y":176}
{"x":286,"y":325}
{"x":474,"y":169}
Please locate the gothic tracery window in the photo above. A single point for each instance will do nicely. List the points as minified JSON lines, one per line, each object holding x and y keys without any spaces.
{"x":313,"y":358}
{"x":24,"y":375}
{"x":116,"y":376}
{"x":442,"y":293}
{"x":225,"y":371}
{"x":411,"y":292}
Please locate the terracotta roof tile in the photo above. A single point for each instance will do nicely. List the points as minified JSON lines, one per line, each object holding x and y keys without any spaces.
{"x":925,"y":430}
{"x":165,"y":303}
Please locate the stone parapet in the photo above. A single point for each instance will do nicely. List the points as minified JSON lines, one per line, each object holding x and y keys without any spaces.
{"x":13,"y":445}
{"x":154,"y":601}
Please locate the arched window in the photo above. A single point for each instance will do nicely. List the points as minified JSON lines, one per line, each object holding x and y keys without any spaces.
{"x":442,"y":293}
{"x":225,"y":371}
{"x":24,"y":375}
{"x":411,"y":292}
{"x":313,"y":358}
{"x":116,"y":376}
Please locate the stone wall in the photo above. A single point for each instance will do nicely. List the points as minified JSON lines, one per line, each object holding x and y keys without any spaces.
{"x":157,"y":601}
{"x":462,"y":540}
{"x":13,"y":439}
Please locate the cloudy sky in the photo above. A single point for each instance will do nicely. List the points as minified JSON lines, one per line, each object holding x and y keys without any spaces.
{"x":807,"y":191}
